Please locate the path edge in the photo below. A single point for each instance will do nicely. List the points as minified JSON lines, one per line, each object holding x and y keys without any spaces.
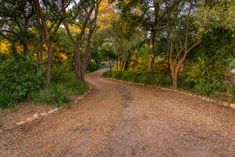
{"x":184,"y":92}
{"x":44,"y":114}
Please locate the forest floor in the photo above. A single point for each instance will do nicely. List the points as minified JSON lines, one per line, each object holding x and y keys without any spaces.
{"x":122,"y":120}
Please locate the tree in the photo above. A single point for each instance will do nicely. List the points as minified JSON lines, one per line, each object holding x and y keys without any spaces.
{"x":82,"y":15}
{"x":182,"y":36}
{"x":187,"y":24}
{"x":49,"y":17}
{"x":123,"y":39}
{"x":149,"y":15}
{"x":16,"y":19}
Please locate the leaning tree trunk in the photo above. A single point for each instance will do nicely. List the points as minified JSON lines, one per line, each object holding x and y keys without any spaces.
{"x":151,"y":52}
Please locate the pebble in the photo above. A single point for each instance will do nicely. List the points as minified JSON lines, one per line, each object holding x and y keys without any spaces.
{"x":232,"y":106}
{"x":226,"y":104}
{"x":20,"y":123}
{"x":51,"y":111}
{"x":1,"y":131}
{"x":29,"y":120}
{"x":43,"y":114}
{"x":36,"y":116}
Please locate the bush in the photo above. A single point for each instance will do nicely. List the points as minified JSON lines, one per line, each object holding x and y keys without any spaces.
{"x":107,"y":73}
{"x":55,"y":94}
{"x":18,"y":80}
{"x":153,"y":78}
{"x":92,"y":67}
{"x":7,"y":100}
{"x":63,"y":85}
{"x":116,"y":74}
{"x":231,"y":91}
{"x":76,"y":87}
{"x":61,"y":73}
{"x":208,"y":87}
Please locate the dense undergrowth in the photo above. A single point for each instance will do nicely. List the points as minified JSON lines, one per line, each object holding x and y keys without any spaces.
{"x":23,"y":81}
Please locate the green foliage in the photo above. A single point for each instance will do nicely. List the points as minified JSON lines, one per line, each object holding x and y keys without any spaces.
{"x":55,"y":94}
{"x":107,"y":74}
{"x":205,"y":71}
{"x":64,"y":75}
{"x":63,"y":86}
{"x":208,"y":87}
{"x":76,"y":87}
{"x":61,"y":73}
{"x":92,"y":67}
{"x":18,"y":80}
{"x":7,"y":100}
{"x":231,"y":91}
{"x":153,"y":78}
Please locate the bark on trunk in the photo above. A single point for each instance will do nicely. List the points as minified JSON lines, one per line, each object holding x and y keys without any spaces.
{"x":49,"y":64}
{"x":40,"y":50}
{"x":151,"y":53}
{"x":174,"y":74}
{"x":14,"y":50}
{"x":110,"y":66}
{"x":79,"y":72}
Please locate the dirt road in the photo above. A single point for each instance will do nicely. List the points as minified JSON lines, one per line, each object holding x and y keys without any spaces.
{"x":123,"y":120}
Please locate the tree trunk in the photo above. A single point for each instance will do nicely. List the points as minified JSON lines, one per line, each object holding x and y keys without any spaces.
{"x":14,"y":50}
{"x":175,"y":80}
{"x":40,"y":50}
{"x":110,"y":66}
{"x":151,"y":53}
{"x":79,"y":72}
{"x":174,"y":74}
{"x":26,"y":50}
{"x":49,"y":64}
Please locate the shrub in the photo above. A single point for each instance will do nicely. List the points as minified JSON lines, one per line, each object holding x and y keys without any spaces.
{"x":231,"y":90}
{"x":76,"y":87}
{"x":208,"y":87}
{"x":107,"y":73}
{"x":18,"y":80}
{"x":92,"y":67}
{"x":61,"y":73}
{"x":55,"y":94}
{"x":154,"y":78}
{"x":116,"y":74}
{"x":7,"y":100}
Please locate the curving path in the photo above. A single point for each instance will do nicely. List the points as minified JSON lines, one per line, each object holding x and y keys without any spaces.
{"x":123,"y":120}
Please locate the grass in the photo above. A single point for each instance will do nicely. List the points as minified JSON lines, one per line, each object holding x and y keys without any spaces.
{"x":1,"y":121}
{"x":58,"y":94}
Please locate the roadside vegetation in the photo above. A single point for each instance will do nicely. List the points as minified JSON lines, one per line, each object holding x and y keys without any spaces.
{"x":187,"y":44}
{"x":47,"y":47}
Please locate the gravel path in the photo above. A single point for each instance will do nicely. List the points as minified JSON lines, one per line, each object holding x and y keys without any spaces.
{"x":123,"y":120}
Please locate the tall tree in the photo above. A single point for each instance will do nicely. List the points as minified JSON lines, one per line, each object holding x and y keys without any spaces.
{"x":83,"y":16}
{"x":49,"y":16}
{"x":148,"y":14}
{"x":182,"y":36}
